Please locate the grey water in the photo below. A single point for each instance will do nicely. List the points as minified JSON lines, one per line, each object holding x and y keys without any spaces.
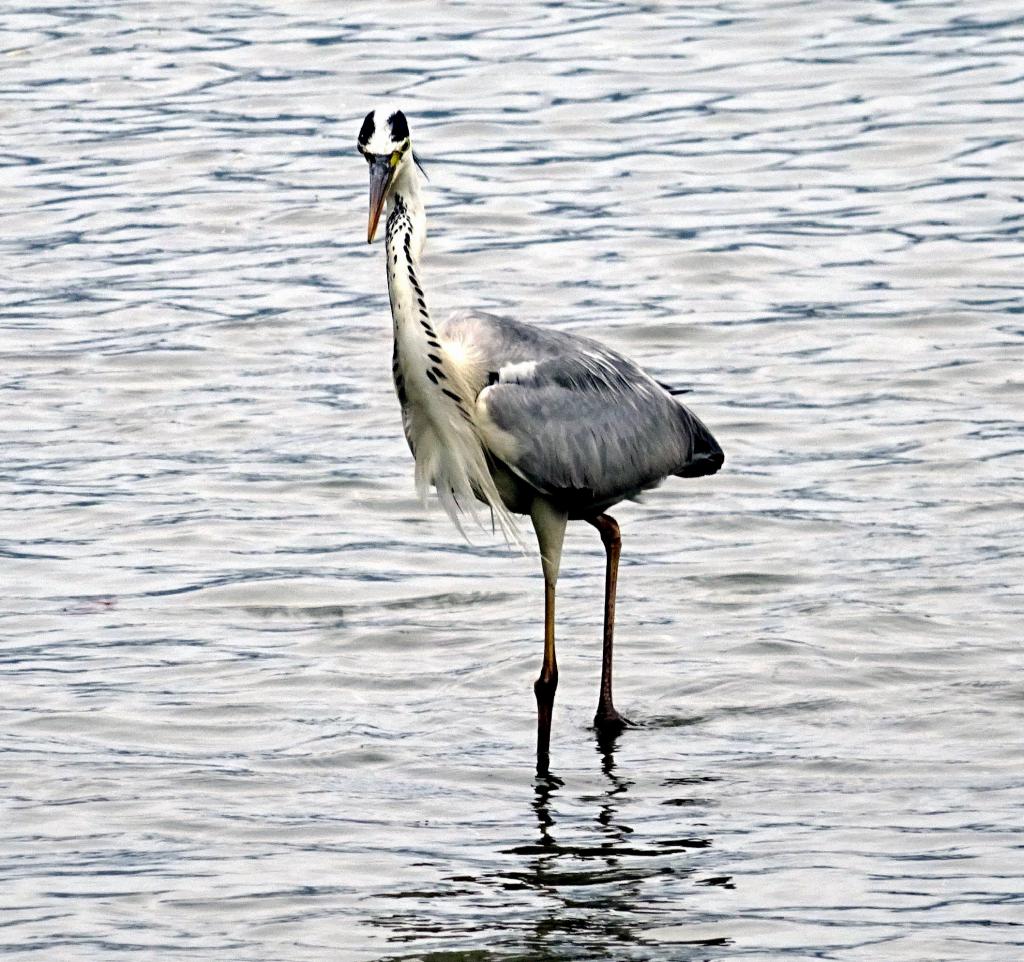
{"x":259,"y":703}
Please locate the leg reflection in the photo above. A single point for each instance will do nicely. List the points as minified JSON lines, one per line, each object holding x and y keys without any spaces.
{"x":616,"y":832}
{"x":544,"y":787}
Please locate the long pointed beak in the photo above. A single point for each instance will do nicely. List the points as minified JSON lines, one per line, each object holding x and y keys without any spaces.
{"x":381,"y":173}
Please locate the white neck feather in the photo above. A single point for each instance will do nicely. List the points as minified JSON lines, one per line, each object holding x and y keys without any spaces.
{"x":436,"y":388}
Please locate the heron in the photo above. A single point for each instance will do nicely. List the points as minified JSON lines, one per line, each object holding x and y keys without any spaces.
{"x":528,"y":421}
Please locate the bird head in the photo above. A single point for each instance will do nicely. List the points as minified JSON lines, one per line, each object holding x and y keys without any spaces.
{"x":384,"y":142}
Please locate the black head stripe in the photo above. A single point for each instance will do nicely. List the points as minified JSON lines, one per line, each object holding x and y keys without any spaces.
{"x":399,"y":127}
{"x":366,"y":131}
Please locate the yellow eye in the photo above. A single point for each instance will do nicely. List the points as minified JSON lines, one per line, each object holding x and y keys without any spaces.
{"x":395,"y":157}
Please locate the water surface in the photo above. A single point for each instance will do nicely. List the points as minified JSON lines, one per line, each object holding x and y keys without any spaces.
{"x":260,"y":704}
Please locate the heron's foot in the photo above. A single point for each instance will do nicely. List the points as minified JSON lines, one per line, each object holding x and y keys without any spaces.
{"x":608,"y":721}
{"x":544,"y":688}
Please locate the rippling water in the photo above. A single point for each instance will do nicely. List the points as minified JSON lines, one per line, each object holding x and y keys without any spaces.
{"x":258,"y":704}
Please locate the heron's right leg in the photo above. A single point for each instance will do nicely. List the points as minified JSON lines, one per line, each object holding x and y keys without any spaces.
{"x":549,"y":523}
{"x":607,"y":720}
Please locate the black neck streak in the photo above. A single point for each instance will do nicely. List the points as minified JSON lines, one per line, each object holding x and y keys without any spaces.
{"x":400,"y":262}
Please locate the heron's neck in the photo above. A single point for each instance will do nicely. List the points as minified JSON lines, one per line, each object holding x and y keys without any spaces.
{"x":416,"y":344}
{"x":432,"y":385}
{"x":406,"y":232}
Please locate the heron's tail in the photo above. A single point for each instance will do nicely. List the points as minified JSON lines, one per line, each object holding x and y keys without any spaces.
{"x":705,"y":453}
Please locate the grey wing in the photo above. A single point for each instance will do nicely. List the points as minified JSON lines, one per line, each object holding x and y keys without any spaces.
{"x":580,"y":422}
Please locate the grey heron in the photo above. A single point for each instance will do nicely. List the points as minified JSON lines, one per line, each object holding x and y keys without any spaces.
{"x":534,"y":422}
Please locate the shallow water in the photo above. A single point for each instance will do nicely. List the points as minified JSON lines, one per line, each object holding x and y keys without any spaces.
{"x":259,"y":704}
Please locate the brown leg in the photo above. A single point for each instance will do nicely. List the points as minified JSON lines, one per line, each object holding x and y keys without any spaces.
{"x":549,"y":523}
{"x":608,"y":720}
{"x":544,"y":687}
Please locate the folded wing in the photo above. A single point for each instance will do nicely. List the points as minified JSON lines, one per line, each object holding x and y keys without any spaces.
{"x":578,"y":421}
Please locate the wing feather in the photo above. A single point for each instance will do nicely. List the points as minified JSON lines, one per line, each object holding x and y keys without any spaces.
{"x":575,"y":419}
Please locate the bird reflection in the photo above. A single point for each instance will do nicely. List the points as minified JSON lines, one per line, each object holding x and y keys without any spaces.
{"x":562,"y":869}
{"x":549,"y":853}
{"x":586,"y":880}
{"x":595,"y":891}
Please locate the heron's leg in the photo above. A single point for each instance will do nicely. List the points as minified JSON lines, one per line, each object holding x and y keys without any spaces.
{"x":549,"y":523}
{"x":544,"y":687}
{"x":607,"y":719}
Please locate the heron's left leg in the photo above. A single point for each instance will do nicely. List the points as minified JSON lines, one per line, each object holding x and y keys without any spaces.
{"x":607,"y":719}
{"x":549,"y":523}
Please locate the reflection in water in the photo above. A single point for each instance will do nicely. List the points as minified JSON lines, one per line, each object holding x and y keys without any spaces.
{"x":615,"y":830}
{"x":583,"y":886}
{"x":597,"y":888}
{"x":544,"y":787}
